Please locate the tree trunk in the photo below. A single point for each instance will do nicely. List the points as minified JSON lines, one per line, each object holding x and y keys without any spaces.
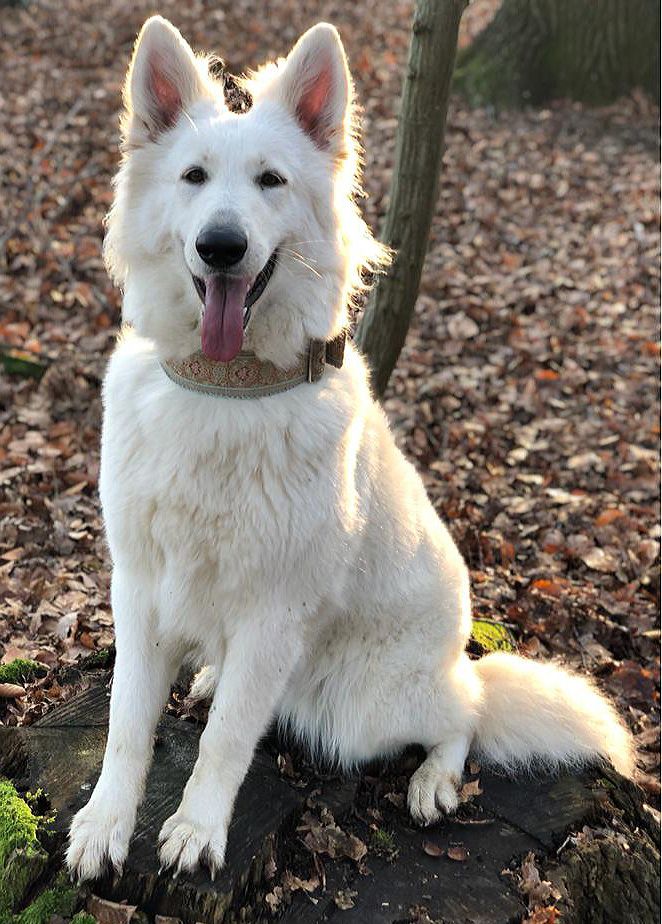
{"x":383,"y":327}
{"x":588,"y":50}
{"x":332,"y":849}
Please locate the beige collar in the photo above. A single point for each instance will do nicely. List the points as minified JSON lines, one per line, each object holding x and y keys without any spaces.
{"x":246,"y":376}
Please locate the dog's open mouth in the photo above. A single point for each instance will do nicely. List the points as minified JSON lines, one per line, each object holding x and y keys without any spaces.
{"x":227,"y":304}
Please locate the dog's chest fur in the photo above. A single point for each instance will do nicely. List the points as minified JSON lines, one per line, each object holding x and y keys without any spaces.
{"x":214,"y":500}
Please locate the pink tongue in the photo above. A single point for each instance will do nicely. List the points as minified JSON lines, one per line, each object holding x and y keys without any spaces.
{"x":223,"y":321}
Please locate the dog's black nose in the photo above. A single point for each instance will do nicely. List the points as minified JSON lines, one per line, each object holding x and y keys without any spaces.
{"x":221,"y":247}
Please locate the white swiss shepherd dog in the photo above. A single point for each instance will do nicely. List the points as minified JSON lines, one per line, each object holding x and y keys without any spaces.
{"x":284,"y":541}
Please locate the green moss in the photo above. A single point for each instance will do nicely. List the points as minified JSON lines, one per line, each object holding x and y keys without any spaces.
{"x":18,"y":826}
{"x":83,"y":918}
{"x":492,"y":636}
{"x":22,"y":858}
{"x":100,"y":659}
{"x":60,"y":900}
{"x":21,"y":670}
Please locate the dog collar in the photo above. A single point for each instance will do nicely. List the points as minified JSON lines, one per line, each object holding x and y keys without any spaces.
{"x":246,"y":376}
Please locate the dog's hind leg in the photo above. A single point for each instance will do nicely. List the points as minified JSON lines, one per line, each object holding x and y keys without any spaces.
{"x":433,"y":788}
{"x":446,"y":729}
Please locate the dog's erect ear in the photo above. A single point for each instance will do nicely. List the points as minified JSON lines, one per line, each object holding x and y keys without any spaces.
{"x":163,"y":80}
{"x":315,"y":85}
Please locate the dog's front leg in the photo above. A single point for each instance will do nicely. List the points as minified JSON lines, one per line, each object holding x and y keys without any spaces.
{"x":144,"y":669}
{"x":257,"y":665}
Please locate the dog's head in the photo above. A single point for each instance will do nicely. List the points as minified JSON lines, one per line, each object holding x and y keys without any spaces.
{"x":238,"y":229}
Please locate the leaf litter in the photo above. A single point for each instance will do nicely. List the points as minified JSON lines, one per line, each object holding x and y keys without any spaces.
{"x":526,"y":395}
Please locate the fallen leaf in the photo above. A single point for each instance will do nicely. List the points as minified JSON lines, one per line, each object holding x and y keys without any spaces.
{"x":553,"y":588}
{"x":11,"y":691}
{"x":107,"y":912}
{"x":536,"y":889}
{"x":458,"y":853}
{"x":469,"y":790}
{"x":326,"y":837}
{"x":461,"y":327}
{"x":608,"y":516}
{"x":600,"y":560}
{"x":274,"y":899}
{"x":433,"y":850}
{"x":547,"y":915}
{"x":13,"y":554}
{"x":344,"y":899}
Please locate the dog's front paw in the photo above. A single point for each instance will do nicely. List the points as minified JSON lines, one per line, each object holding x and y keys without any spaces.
{"x":99,"y":834}
{"x":185,"y":844}
{"x":431,"y":793}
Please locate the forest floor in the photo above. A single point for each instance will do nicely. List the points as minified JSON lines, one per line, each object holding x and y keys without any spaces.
{"x":527,"y":394}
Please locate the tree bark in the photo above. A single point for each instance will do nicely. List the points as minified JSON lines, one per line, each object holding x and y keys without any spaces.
{"x":588,"y":50}
{"x":382,"y":330}
{"x":293,"y":842}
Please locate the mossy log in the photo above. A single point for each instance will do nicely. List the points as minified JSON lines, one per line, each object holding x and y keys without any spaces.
{"x":534,"y":51}
{"x":591,"y":836}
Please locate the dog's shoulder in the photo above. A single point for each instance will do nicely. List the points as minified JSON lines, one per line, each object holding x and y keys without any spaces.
{"x":132,"y":358}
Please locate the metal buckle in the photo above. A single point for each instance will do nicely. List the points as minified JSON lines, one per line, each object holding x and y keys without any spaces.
{"x":316,"y":361}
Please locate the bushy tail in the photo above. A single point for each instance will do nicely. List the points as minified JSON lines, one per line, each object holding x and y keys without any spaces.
{"x":537,"y":714}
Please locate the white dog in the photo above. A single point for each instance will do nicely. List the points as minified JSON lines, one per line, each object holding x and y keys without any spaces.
{"x":282,"y":539}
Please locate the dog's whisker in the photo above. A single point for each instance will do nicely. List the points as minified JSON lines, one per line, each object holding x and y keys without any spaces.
{"x":188,"y":117}
{"x":301,"y":261}
{"x":299,"y":255}
{"x":320,"y":241}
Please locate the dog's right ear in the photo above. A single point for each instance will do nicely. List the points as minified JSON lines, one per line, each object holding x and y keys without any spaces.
{"x":164,"y":79}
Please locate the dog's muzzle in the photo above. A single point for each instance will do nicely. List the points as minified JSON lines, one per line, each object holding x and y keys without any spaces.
{"x":255,"y":291}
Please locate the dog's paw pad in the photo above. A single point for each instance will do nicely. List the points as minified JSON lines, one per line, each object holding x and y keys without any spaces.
{"x":185,"y":845}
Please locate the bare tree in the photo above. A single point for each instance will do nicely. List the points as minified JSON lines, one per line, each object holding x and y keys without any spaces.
{"x":382,"y":330}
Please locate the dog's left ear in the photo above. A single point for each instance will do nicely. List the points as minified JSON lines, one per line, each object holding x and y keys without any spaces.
{"x":315,"y":85}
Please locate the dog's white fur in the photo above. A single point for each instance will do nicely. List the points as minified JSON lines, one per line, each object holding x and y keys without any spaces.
{"x":285,"y":540}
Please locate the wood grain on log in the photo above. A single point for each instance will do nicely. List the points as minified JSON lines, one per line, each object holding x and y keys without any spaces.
{"x":612,"y":876}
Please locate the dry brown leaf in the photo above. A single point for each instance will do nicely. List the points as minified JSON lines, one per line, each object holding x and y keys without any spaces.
{"x":274,"y":899}
{"x":325,"y":837}
{"x":600,"y":560}
{"x":458,"y":853}
{"x":11,"y":691}
{"x":395,"y":798}
{"x":607,"y":517}
{"x":537,"y":890}
{"x":107,"y":912}
{"x":547,"y":915}
{"x":344,"y":899}
{"x":469,"y":790}
{"x":433,"y":850}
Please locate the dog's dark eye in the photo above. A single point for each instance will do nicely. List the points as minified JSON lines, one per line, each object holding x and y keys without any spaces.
{"x":269,"y":179}
{"x":194,"y":175}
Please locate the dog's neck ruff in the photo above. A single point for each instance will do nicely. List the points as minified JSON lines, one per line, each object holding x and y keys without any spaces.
{"x":246,"y":376}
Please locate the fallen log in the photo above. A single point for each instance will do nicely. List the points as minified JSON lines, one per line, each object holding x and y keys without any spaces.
{"x":309,"y":848}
